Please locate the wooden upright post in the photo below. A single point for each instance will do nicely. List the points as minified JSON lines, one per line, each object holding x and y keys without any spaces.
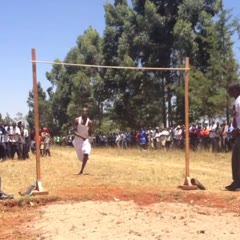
{"x":187,"y":181}
{"x":39,"y":189}
{"x":187,"y":117}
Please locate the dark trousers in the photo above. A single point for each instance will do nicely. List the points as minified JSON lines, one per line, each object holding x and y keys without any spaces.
{"x":216,"y":144}
{"x":15,"y":149}
{"x":205,"y":143}
{"x":27,"y":147}
{"x":8,"y":149}
{"x":236,"y":160}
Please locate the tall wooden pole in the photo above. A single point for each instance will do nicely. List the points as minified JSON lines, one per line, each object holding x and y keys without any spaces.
{"x":187,"y":185}
{"x":36,"y":114}
{"x":187,"y":120}
{"x":36,"y":122}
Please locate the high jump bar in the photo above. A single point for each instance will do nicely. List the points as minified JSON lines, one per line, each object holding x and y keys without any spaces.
{"x":114,"y":67}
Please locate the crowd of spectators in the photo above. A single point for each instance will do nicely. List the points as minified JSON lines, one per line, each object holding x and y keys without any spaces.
{"x":213,"y":137}
{"x":16,"y":141}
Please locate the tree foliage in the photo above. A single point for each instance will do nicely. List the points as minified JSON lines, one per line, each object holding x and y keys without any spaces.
{"x":145,"y":33}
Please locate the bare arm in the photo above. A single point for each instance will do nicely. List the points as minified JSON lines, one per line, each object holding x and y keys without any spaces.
{"x":75,"y":124}
{"x":90,"y":128}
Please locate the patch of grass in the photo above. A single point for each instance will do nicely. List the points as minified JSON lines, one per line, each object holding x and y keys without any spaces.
{"x":129,"y":168}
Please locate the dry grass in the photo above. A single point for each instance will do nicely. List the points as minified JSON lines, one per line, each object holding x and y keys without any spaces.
{"x":130,"y":168}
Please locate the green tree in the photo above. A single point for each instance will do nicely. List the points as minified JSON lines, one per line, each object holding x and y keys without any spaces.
{"x":146,"y":33}
{"x":74,"y":87}
{"x":44,"y":108}
{"x":219,"y":66}
{"x":7,"y":118}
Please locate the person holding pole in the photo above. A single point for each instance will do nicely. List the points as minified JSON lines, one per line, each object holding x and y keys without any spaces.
{"x":234,"y":91}
{"x":83,"y":130}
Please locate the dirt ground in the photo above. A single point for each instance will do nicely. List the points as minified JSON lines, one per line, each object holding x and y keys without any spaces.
{"x":126,"y":220}
{"x":114,"y":213}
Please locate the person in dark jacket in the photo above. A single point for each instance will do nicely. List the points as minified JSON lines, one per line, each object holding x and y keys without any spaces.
{"x":234,"y":91}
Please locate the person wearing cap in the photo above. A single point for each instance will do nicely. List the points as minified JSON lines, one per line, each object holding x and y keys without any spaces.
{"x":83,"y":131}
{"x":234,"y":91}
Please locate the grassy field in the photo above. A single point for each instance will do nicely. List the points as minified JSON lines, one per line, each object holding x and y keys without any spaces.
{"x":129,"y":169}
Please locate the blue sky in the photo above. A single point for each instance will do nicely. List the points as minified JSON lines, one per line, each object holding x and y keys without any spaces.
{"x":52,"y":28}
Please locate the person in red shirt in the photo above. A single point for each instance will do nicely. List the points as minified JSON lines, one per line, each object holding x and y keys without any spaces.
{"x":204,"y":133}
{"x":44,"y":130}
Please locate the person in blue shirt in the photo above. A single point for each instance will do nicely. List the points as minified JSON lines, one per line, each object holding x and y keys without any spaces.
{"x":143,"y":139}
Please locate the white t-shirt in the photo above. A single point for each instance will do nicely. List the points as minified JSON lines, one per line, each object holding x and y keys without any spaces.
{"x":6,"y":135}
{"x":25,"y":132}
{"x":212,"y":131}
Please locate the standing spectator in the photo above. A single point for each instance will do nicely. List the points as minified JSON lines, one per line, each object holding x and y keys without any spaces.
{"x":137,"y":138}
{"x":204,"y":133}
{"x":217,"y":138}
{"x":234,"y":91}
{"x":44,"y":129}
{"x":193,"y":135}
{"x":124,"y":140}
{"x":7,"y":142}
{"x":27,"y":141}
{"x":22,"y":145}
{"x":24,"y":140}
{"x":47,"y":144}
{"x":42,"y":145}
{"x":157,"y":138}
{"x":14,"y":138}
{"x":143,"y":139}
{"x":212,"y":135}
{"x":118,"y":140}
{"x":224,"y":137}
{"x":3,"y":146}
{"x":230,"y":136}
{"x":178,"y":137}
{"x":33,"y":142}
{"x":169,"y":139}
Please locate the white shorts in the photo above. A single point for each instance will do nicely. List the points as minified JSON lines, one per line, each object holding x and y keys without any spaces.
{"x":82,"y":147}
